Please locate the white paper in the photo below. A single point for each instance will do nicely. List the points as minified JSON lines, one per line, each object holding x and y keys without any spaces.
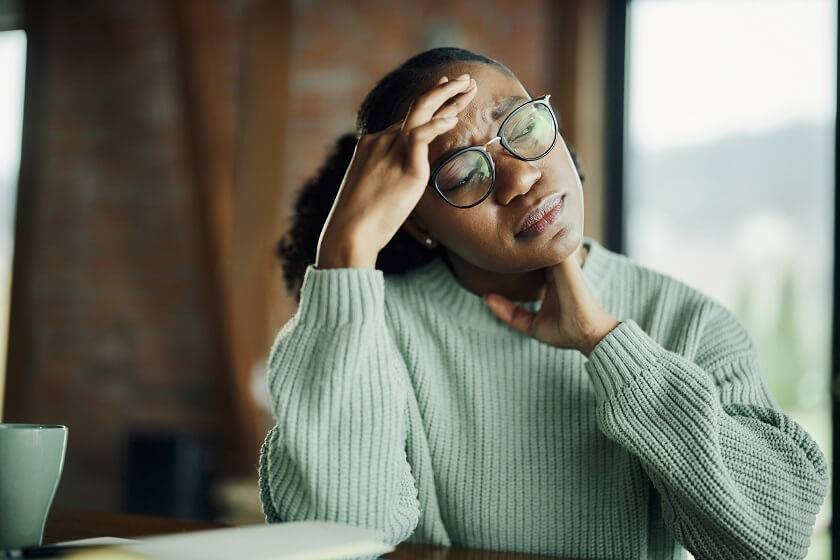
{"x":295,"y":540}
{"x":96,"y":541}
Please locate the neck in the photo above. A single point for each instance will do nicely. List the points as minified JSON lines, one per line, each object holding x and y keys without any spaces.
{"x":522,"y":286}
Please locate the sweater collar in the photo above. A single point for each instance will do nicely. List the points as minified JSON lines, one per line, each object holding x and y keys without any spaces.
{"x":439,"y":284}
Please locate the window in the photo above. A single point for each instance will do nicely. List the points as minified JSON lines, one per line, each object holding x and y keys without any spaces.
{"x":729,"y":176}
{"x":13,"y":62}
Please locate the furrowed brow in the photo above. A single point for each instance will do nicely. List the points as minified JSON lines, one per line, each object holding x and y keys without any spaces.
{"x":502,"y":108}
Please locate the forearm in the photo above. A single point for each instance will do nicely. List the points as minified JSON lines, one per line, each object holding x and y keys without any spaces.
{"x":344,"y":247}
{"x":337,"y":451}
{"x":737,"y":480}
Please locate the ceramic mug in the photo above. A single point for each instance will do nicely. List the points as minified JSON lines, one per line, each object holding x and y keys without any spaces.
{"x":31,"y":459}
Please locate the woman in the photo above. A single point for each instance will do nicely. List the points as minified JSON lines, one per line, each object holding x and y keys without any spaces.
{"x":466,"y":368}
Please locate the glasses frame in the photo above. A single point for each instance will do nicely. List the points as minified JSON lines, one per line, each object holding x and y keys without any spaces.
{"x":482,"y":149}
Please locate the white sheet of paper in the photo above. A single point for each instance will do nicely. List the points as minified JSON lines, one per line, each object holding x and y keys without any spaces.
{"x":294,"y":540}
{"x":97,"y":541}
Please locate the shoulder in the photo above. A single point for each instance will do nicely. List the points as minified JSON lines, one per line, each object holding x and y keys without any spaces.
{"x":683,"y":317}
{"x":404,"y":296}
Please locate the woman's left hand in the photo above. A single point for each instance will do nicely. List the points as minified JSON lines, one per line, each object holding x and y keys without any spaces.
{"x":569,"y":316}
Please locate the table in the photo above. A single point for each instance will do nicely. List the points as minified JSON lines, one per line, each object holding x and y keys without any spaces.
{"x":67,"y":526}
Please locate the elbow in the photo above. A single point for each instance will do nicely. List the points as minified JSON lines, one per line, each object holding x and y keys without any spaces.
{"x":287,"y":495}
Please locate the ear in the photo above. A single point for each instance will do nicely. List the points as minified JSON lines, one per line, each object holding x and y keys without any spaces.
{"x":413,"y":225}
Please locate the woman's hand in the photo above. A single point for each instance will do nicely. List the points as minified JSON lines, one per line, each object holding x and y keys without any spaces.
{"x":569,"y":316}
{"x":387,"y":176}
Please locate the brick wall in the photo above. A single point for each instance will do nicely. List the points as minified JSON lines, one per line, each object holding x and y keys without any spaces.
{"x":341,"y":49}
{"x":116,"y":323}
{"x":112,"y":328}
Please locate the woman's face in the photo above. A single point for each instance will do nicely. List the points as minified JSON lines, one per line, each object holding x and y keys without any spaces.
{"x":484,"y":235}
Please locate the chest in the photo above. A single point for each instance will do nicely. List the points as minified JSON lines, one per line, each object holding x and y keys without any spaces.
{"x":519,"y":462}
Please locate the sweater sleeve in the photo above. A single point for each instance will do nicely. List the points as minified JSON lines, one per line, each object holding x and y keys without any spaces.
{"x":338,"y":388}
{"x":737,"y":477}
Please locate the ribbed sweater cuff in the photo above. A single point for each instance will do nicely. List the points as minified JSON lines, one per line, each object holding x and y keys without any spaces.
{"x":334,"y":296}
{"x":622,"y":355}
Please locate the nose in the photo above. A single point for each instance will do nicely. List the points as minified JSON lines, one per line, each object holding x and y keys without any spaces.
{"x":514,"y":177}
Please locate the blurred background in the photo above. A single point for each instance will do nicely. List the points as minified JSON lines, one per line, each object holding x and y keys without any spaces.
{"x":151,"y":150}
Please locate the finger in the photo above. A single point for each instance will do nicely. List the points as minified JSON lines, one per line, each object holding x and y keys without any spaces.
{"x":421,"y":136}
{"x":425,"y":133}
{"x":568,"y":276}
{"x":395,"y":127}
{"x":426,"y":105}
{"x":398,"y":125}
{"x":510,"y":313}
{"x":550,"y":303}
{"x":457,"y":103}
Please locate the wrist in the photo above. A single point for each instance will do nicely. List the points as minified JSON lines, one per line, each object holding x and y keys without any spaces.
{"x":343,"y":251}
{"x":598,"y":335}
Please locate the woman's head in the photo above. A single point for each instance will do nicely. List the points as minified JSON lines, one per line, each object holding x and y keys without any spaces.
{"x":482,"y":236}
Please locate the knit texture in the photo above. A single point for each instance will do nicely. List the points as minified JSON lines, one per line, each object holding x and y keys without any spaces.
{"x":402,"y":404}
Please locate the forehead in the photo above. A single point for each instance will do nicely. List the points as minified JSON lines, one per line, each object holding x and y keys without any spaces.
{"x":477,"y":121}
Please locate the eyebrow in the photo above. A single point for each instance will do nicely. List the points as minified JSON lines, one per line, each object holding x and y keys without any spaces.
{"x":499,"y":111}
{"x":506,"y":105}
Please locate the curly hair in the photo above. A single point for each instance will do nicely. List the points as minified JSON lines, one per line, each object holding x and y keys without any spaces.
{"x":384,"y":104}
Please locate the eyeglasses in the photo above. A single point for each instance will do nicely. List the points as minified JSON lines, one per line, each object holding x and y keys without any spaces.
{"x":465,"y":178}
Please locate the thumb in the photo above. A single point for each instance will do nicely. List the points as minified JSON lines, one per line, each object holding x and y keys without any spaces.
{"x":509,"y":313}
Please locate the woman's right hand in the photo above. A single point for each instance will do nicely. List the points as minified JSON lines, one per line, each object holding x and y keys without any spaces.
{"x":387,"y":176}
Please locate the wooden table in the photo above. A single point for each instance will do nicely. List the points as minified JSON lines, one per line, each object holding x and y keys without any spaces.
{"x":68,"y":526}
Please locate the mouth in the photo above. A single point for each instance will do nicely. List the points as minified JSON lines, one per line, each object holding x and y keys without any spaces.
{"x":542,"y":216}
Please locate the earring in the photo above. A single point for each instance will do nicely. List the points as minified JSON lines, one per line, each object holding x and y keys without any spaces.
{"x":429,"y":241}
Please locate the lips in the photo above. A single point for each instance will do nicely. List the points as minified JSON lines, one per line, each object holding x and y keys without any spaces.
{"x":546,"y":206}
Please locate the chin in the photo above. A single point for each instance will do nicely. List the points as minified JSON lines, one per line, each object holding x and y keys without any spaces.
{"x":563,"y":243}
{"x":555,"y":252}
{"x":557,"y":248}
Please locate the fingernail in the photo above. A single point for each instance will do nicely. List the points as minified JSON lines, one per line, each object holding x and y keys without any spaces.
{"x":463,"y":77}
{"x":472,"y":83}
{"x":443,"y":80}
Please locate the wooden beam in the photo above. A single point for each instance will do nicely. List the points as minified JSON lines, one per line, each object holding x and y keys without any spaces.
{"x":209,"y":62}
{"x":260,"y":192}
{"x":578,"y":71}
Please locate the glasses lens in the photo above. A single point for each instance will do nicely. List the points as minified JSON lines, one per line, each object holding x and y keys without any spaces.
{"x":530,"y":131}
{"x":466,"y":178}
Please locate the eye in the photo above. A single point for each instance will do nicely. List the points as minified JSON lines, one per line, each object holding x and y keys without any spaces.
{"x":466,"y":170}
{"x":476,"y":173}
{"x":526,"y":131}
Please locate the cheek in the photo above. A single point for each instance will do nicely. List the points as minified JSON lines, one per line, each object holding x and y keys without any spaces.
{"x":559,"y":173}
{"x":462,"y":230}
{"x":570,"y":173}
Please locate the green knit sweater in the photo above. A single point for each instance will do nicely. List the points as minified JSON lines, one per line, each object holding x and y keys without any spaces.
{"x":404,"y":405}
